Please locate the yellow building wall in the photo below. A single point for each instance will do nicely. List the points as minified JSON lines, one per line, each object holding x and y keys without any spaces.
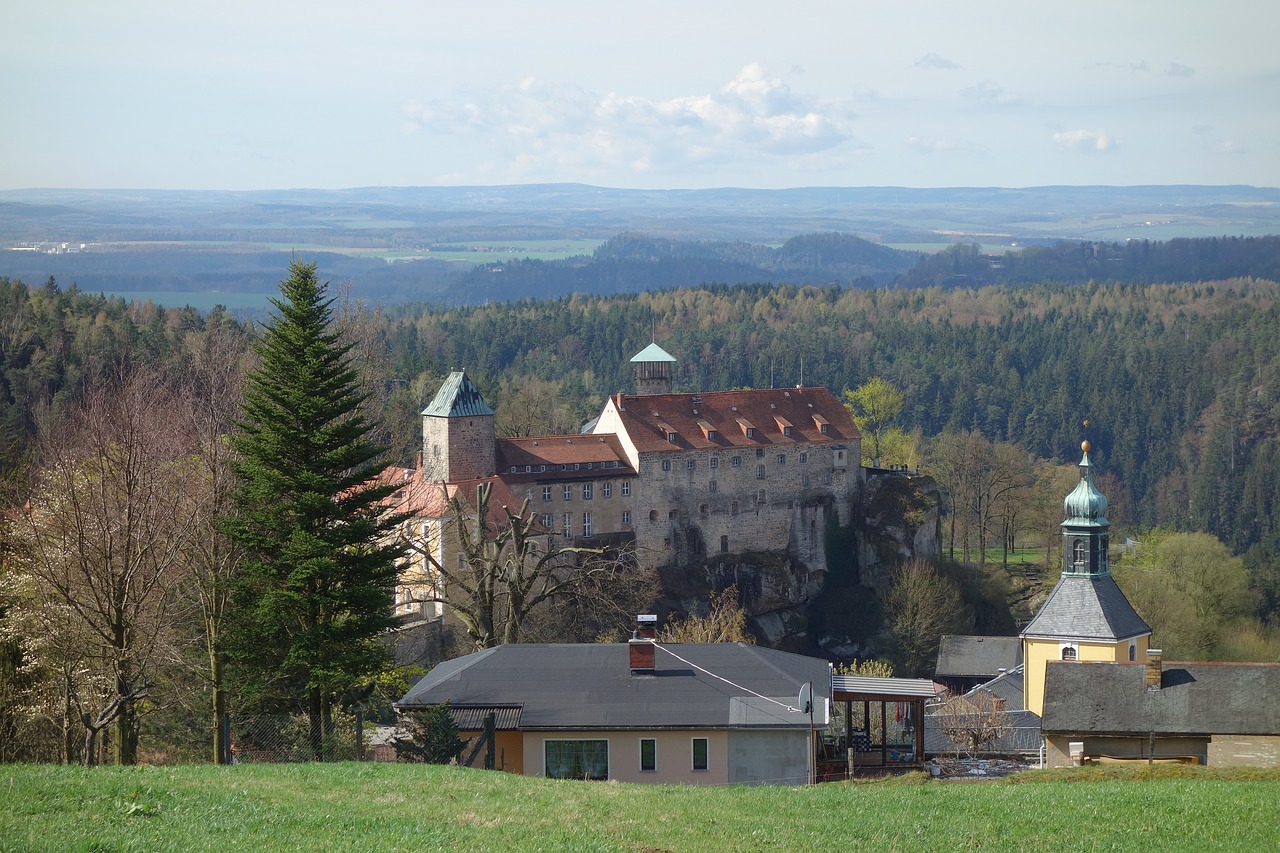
{"x":1036,"y":654}
{"x":508,"y":750}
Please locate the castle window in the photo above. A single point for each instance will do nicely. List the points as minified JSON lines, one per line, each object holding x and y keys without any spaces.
{"x":666,"y":464}
{"x":435,"y":450}
{"x":671,"y":437}
{"x":759,"y":472}
{"x":546,"y":493}
{"x":586,"y":491}
{"x":671,"y":514}
{"x":542,"y":469}
{"x":760,"y":496}
{"x":804,"y":457}
{"x":724,"y":544}
{"x":826,"y":479}
{"x":786,"y":430}
{"x":586,"y":524}
{"x":606,"y":490}
{"x":782,"y":459}
{"x":751,"y":432}
{"x":626,"y":488}
{"x":703,"y":509}
{"x":548,"y":521}
{"x":626,"y":516}
{"x":735,"y":462}
{"x":804,"y":481}
{"x":715,"y":462}
{"x":568,"y":492}
{"x":759,"y":452}
{"x":712,"y":485}
{"x":567,"y":529}
{"x":733,"y":508}
{"x":825,"y":428}
{"x":513,"y":469}
{"x":653,"y":515}
{"x":692,"y":465}
{"x":528,"y":469}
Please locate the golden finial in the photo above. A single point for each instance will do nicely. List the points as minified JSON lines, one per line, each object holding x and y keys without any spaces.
{"x":1084,"y":445}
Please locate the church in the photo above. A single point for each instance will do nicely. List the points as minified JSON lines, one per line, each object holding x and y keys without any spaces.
{"x":678,"y":477}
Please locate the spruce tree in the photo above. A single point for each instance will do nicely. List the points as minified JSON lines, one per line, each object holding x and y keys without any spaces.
{"x":315,"y":592}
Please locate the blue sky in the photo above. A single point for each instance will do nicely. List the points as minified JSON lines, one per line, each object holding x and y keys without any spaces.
{"x":277,"y":93}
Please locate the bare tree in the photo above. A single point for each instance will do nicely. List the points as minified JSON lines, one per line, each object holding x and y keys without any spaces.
{"x":104,"y":537}
{"x":973,"y":722}
{"x":725,"y":622}
{"x":507,"y":567}
{"x":921,"y":606}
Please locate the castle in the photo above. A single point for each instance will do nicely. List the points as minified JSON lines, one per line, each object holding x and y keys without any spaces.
{"x":679,"y":477}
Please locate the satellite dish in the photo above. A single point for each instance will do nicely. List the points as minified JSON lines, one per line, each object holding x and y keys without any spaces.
{"x":805,"y":700}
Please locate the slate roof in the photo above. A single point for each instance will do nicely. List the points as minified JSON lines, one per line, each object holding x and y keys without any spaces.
{"x":1022,"y":737}
{"x":1008,"y":687}
{"x":1085,"y":608}
{"x":458,"y":398}
{"x":648,"y":420}
{"x":652,"y":353}
{"x":982,"y":657}
{"x":1194,"y":699}
{"x":590,"y":686}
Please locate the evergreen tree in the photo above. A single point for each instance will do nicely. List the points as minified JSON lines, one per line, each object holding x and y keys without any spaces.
{"x":315,"y":590}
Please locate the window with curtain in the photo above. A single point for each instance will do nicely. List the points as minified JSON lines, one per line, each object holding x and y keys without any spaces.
{"x":577,"y":759}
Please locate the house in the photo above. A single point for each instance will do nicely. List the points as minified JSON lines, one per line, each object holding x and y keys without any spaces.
{"x":643,"y":711}
{"x":677,"y":478}
{"x":965,"y":661}
{"x":1019,"y":734}
{"x":1220,"y":714}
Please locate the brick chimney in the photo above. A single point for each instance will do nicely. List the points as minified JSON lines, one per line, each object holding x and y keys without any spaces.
{"x":1154,"y":668}
{"x":640,"y":647}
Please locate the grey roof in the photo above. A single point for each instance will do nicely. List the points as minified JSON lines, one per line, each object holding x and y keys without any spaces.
{"x":896,"y":688}
{"x":969,"y":656}
{"x":590,"y":686}
{"x":651,"y":353}
{"x":457,"y":398}
{"x":1087,"y":607}
{"x":1008,"y":687}
{"x":1194,"y":699}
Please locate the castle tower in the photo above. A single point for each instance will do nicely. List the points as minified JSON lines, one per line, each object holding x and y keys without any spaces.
{"x":653,"y":370}
{"x":1086,"y":616}
{"x":457,"y":433}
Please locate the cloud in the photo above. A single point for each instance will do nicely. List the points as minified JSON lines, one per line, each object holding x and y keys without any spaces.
{"x":925,"y":145}
{"x":935,"y":62}
{"x":1177,"y":69}
{"x":990,"y":93}
{"x":1227,"y":147}
{"x":1085,"y":140}
{"x":539,"y":127}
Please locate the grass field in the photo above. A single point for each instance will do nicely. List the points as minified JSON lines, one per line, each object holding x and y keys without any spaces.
{"x":413,"y":807}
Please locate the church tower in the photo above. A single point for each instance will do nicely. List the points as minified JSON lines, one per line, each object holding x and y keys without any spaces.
{"x":653,"y":370}
{"x":1086,"y":617}
{"x":458,"y":441}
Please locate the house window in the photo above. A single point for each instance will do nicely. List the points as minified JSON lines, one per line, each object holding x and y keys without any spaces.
{"x":546,"y":493}
{"x":751,"y":432}
{"x":1070,"y":653}
{"x":786,"y":430}
{"x":548,"y":521}
{"x":1079,"y":553}
{"x":626,"y":488}
{"x":671,"y":437}
{"x":701,"y":754}
{"x":648,"y":755}
{"x":1133,"y":651}
{"x":586,"y":491}
{"x":715,"y":462}
{"x":567,"y":528}
{"x":713,"y":486}
{"x":586,"y":524}
{"x":759,"y":472}
{"x":666,"y":464}
{"x":606,"y":490}
{"x":577,"y":759}
{"x":626,"y":516}
{"x":824,"y":428}
{"x":735,"y":462}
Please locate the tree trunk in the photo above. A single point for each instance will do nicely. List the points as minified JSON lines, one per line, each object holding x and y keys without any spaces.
{"x":315,"y":719}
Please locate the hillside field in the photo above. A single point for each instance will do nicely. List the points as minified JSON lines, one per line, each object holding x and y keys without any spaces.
{"x":414,"y":807}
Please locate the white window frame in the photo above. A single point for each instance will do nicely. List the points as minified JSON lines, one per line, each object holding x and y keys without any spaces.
{"x":546,"y":493}
{"x":626,"y":488}
{"x":606,"y":489}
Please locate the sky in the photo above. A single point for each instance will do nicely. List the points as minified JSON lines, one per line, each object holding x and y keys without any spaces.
{"x":272,"y":94}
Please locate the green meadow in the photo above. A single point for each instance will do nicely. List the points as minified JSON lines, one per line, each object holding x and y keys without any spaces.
{"x":388,"y":807}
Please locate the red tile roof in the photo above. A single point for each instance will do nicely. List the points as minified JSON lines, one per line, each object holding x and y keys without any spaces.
{"x":649,"y":419}
{"x":561,"y":457}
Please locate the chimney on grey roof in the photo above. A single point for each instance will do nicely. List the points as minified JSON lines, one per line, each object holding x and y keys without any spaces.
{"x":1154,"y":668}
{"x":641,"y":650}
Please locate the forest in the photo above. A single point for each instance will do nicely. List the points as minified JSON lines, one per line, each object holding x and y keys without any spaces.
{"x":1177,"y":387}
